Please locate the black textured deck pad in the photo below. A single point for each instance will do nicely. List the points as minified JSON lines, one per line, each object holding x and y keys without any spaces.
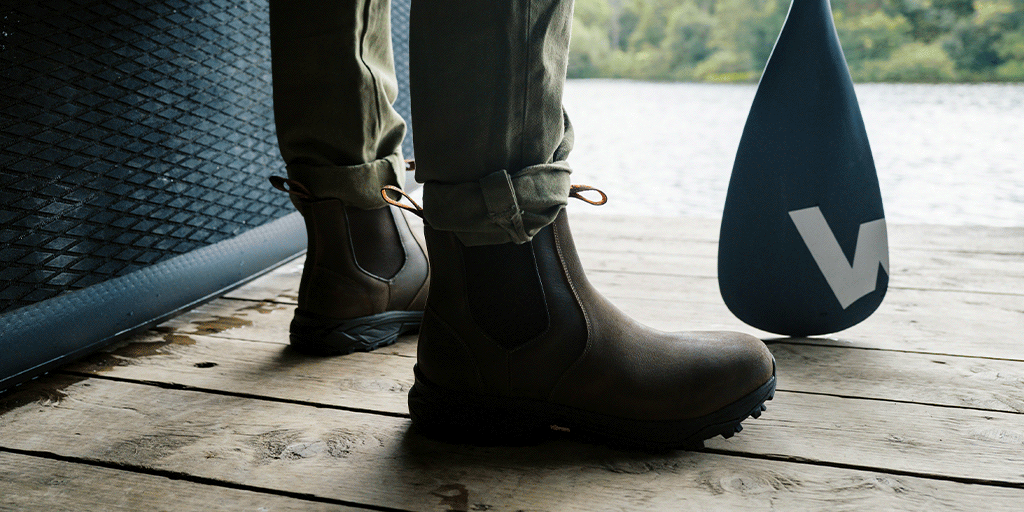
{"x":132,"y":131}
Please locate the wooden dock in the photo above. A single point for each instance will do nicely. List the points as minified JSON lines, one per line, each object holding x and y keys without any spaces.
{"x":921,"y":407}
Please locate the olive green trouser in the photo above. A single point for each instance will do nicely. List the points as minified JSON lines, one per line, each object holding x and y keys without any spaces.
{"x":486,"y":84}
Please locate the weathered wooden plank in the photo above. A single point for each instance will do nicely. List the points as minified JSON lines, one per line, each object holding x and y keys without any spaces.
{"x":961,"y":323}
{"x":930,"y":321}
{"x":372,"y":381}
{"x":911,"y":268}
{"x":281,"y":285}
{"x":870,"y":430}
{"x":368,"y":381}
{"x":377,"y":460}
{"x":986,"y":273}
{"x":265,"y":322}
{"x":896,"y":436}
{"x":979,"y":326}
{"x":237,"y":319}
{"x":939,"y":322}
{"x":378,"y":381}
{"x":915,"y":269}
{"x":252,"y":321}
{"x":930,"y":257}
{"x":36,"y":484}
{"x":613,"y":229}
{"x":954,"y":381}
{"x":966,"y":259}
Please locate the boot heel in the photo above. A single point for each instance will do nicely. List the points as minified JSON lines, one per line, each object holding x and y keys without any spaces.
{"x":461,"y":417}
{"x":324,"y":336}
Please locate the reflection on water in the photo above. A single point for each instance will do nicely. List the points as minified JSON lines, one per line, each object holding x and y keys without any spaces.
{"x":945,"y":154}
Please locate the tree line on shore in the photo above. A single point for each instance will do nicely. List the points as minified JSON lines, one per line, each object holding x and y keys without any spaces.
{"x":731,"y":40}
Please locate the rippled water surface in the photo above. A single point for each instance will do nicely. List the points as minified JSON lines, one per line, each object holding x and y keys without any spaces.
{"x":945,"y":154}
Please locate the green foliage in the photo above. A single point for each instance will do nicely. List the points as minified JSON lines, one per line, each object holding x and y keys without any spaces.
{"x":731,"y":40}
{"x":871,"y":35}
{"x":688,"y":35}
{"x":990,"y":45}
{"x":588,"y":49}
{"x":914,"y":62}
{"x":930,"y":19}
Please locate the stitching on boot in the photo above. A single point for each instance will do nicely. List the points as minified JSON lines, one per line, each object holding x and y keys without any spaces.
{"x":583,"y":308}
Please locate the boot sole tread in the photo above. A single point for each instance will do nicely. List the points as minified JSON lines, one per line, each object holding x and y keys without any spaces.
{"x":456,"y":416}
{"x":325,"y":336}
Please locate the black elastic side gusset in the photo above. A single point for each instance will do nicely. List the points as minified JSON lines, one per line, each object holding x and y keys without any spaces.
{"x":380,"y":225}
{"x":505,"y":294}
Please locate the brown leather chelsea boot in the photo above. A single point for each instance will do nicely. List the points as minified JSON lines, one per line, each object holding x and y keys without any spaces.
{"x":365,"y":279}
{"x":516,"y":342}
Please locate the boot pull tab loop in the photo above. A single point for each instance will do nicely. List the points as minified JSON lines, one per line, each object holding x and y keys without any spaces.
{"x":416,"y":209}
{"x":576,"y":191}
{"x":292,"y":187}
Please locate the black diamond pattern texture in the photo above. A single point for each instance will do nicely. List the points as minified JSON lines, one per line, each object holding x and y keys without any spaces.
{"x":400,"y":46}
{"x":132,"y":131}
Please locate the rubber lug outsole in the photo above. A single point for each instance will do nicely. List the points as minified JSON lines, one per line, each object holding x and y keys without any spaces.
{"x":461,"y":417}
{"x":326,"y":337}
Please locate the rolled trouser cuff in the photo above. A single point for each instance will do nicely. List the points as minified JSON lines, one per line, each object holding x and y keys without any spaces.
{"x":355,"y":185}
{"x":500,"y":208}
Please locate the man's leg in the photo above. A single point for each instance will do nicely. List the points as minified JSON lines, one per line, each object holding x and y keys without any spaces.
{"x":365,"y":277}
{"x":514,"y":339}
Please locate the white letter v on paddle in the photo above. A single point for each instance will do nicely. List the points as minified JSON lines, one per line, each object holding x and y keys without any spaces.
{"x":849,"y":283}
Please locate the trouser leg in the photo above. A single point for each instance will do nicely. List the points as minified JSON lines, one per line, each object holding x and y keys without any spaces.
{"x":334,"y":86}
{"x":491,"y":137}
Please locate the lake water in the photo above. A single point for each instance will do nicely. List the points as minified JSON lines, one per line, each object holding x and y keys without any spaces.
{"x":945,"y":154}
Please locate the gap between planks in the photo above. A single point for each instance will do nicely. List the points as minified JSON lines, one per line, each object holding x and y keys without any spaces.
{"x":43,"y":481}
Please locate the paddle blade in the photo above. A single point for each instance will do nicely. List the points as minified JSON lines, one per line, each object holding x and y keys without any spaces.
{"x":803,"y":247}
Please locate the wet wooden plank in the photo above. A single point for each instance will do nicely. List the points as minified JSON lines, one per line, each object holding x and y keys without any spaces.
{"x":236,"y":319}
{"x":366,"y":381}
{"x":377,"y":460}
{"x":30,"y":483}
{"x":265,"y":322}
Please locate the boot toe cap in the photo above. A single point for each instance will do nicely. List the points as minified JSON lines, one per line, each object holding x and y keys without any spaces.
{"x":726,"y":366}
